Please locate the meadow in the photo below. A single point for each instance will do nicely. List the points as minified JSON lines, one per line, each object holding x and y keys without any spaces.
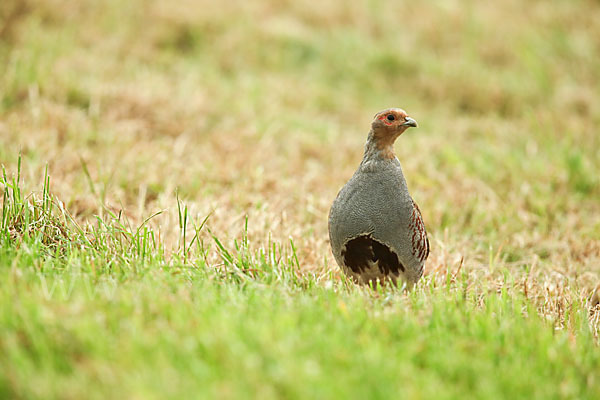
{"x":168,"y":168}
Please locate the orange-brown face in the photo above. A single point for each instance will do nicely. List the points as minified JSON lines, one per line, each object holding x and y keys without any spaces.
{"x":392,"y":122}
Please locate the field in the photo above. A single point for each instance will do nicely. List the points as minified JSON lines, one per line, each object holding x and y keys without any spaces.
{"x":168,"y":168}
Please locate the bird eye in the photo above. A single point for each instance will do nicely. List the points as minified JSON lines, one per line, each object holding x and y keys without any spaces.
{"x":391,"y":117}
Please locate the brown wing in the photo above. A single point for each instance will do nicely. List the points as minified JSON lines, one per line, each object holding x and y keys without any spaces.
{"x":420,"y":242}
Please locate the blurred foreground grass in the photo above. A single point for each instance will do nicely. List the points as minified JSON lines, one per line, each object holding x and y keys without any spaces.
{"x":255,"y":113}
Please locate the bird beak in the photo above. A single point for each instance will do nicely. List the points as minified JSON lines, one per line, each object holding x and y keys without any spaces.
{"x":410,"y":122}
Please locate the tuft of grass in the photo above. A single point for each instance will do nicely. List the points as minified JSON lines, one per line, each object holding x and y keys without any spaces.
{"x":32,"y":218}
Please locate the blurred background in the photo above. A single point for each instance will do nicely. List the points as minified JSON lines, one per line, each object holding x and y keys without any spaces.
{"x":261,"y":108}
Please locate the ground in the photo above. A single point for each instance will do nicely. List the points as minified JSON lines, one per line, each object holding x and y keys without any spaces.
{"x":168,"y":168}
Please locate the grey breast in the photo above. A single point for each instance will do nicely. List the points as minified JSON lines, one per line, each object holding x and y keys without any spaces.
{"x":374,"y":201}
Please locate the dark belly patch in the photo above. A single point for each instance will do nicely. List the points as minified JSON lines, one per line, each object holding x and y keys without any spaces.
{"x":361,"y":252}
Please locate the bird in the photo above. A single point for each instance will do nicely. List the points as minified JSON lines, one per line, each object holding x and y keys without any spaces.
{"x":376,"y":230}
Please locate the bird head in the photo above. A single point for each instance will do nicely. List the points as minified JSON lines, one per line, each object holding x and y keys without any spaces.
{"x":386,"y":127}
{"x":392,"y":122}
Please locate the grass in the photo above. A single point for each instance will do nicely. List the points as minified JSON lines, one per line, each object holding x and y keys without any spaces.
{"x":168,"y":169}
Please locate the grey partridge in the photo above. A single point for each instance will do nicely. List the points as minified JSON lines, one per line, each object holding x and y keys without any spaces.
{"x":375,"y":228}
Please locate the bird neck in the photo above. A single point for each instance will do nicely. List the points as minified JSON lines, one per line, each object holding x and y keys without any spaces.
{"x":379,"y":148}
